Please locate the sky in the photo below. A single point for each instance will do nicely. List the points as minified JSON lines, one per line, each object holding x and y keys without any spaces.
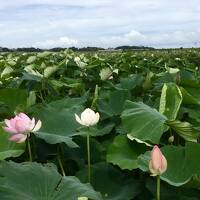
{"x":102,"y":23}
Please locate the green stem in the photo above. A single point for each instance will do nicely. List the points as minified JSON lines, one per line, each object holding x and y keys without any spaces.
{"x":41,"y":97}
{"x":29,"y":149}
{"x":170,"y":131}
{"x":95,"y":97}
{"x":178,"y":140}
{"x":158,"y":187}
{"x":61,"y":165}
{"x":171,"y":136}
{"x":88,"y":157}
{"x":60,"y":153}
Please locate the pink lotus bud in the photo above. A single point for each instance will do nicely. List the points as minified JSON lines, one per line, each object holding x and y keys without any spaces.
{"x":88,"y":117}
{"x":20,"y":126}
{"x":158,"y":162}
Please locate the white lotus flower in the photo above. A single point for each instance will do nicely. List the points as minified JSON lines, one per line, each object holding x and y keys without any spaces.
{"x":77,"y":59}
{"x":88,"y":117}
{"x":80,"y":63}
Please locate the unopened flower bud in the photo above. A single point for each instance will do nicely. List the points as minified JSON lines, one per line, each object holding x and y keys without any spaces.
{"x":158,"y":162}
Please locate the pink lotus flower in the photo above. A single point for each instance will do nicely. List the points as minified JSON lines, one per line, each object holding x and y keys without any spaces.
{"x":158,"y":162}
{"x":20,"y":126}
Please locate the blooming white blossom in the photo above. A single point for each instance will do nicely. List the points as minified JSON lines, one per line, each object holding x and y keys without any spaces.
{"x":88,"y":117}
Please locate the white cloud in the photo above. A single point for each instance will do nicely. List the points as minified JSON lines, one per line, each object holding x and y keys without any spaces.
{"x":99,"y":22}
{"x":131,"y":38}
{"x":170,"y":39}
{"x":18,"y":3}
{"x":60,"y":42}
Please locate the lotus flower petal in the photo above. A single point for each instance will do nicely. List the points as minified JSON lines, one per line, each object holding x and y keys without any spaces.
{"x":37,"y":126}
{"x":10,"y":130}
{"x":19,"y":138}
{"x":20,"y":126}
{"x":78,"y":119}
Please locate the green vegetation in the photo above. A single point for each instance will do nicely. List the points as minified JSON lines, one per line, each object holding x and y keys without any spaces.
{"x":143,"y":98}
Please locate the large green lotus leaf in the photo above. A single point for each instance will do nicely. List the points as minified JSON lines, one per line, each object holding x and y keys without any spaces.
{"x":111,"y":182}
{"x":184,"y":129}
{"x":6,"y":72}
{"x":169,"y":192}
{"x":33,"y":181}
{"x":11,"y":62}
{"x":58,"y":125}
{"x":114,"y":103}
{"x":9,"y":149}
{"x":163,"y":78}
{"x":11,"y":98}
{"x":69,"y":102}
{"x":194,"y":92}
{"x":31,"y":77}
{"x":170,"y":100}
{"x":183,"y":163}
{"x":43,"y":54}
{"x":188,"y":98}
{"x":102,"y":129}
{"x":124,"y":153}
{"x":54,"y":138}
{"x":131,"y":82}
{"x":98,"y":130}
{"x":31,"y":59}
{"x":58,"y":121}
{"x":194,"y":113}
{"x":50,"y":70}
{"x":188,"y":79}
{"x":143,"y":122}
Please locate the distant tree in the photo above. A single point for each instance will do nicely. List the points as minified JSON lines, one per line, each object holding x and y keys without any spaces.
{"x":28,"y":49}
{"x":126,"y":47}
{"x":56,"y":49}
{"x":90,"y":49}
{"x":4,"y":49}
{"x":74,"y":48}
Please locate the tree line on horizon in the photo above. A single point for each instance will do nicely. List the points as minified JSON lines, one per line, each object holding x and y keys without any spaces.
{"x":56,"y":49}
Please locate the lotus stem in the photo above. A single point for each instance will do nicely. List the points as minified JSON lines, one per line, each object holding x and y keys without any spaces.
{"x":29,"y":149}
{"x":59,"y":157}
{"x":158,"y":187}
{"x":61,"y":165}
{"x":88,"y":156}
{"x":95,"y":97}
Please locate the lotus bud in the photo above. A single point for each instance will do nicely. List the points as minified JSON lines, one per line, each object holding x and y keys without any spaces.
{"x":171,"y":139}
{"x":158,"y":162}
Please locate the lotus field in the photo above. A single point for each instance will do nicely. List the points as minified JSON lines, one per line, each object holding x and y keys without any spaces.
{"x":100,"y":125}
